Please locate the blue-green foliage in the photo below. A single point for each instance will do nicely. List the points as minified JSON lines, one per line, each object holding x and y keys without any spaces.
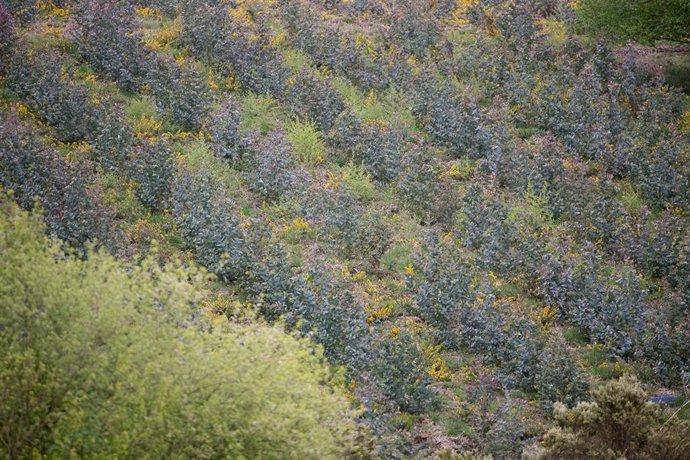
{"x":234,"y":48}
{"x":271,"y":167}
{"x":210,"y":224}
{"x":223,"y":126}
{"x":379,"y":146}
{"x":150,"y":165}
{"x":180,"y":93}
{"x":312,"y":98}
{"x":107,"y":36}
{"x":38,"y":78}
{"x":39,"y":174}
{"x":110,"y":137}
{"x":401,"y":372}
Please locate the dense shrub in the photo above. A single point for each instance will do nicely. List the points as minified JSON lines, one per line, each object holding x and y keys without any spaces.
{"x":401,"y":372}
{"x":316,"y":304}
{"x":336,"y":215}
{"x":378,"y":145}
{"x":223,"y":126}
{"x":272,"y":167}
{"x":150,"y":166}
{"x":107,"y":36}
{"x":413,"y":28}
{"x":442,"y":287}
{"x":619,"y":421}
{"x":7,"y":36}
{"x":180,"y":92}
{"x":115,"y":341}
{"x":314,"y":99}
{"x":210,"y":224}
{"x":418,"y":187}
{"x":610,"y":309}
{"x":452,"y":118}
{"x":38,"y":78}
{"x":110,"y":136}
{"x":343,"y":52}
{"x":65,"y":190}
{"x":23,"y":10}
{"x":236,"y":47}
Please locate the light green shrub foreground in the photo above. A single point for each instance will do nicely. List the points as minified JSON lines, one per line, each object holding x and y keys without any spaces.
{"x":99,"y":359}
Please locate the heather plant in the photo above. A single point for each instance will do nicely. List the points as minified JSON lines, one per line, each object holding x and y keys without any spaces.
{"x":106,"y":35}
{"x":308,"y":33}
{"x":180,"y":92}
{"x":202,"y":25}
{"x":537,"y":164}
{"x":481,"y":62}
{"x":339,"y":322}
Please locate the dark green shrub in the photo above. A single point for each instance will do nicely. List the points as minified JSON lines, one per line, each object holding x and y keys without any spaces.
{"x":38,"y":78}
{"x":272,"y":168}
{"x":401,"y":371}
{"x":65,"y":190}
{"x":107,"y":36}
{"x":314,"y":99}
{"x":226,"y":140}
{"x":7,"y":36}
{"x":180,"y":93}
{"x":150,"y":166}
{"x":210,"y":224}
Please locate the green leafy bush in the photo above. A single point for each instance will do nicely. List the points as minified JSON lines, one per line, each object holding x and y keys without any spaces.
{"x":39,"y":79}
{"x":180,"y":92}
{"x":70,"y":199}
{"x":105,"y":359}
{"x":107,"y":36}
{"x":619,"y":422}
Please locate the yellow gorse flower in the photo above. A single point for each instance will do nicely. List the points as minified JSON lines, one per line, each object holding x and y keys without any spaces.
{"x":439,"y":370}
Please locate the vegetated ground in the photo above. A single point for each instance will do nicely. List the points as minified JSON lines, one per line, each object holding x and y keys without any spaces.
{"x":473,"y":211}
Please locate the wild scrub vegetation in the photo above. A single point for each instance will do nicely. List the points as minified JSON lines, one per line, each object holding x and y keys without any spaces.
{"x":340,"y":229}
